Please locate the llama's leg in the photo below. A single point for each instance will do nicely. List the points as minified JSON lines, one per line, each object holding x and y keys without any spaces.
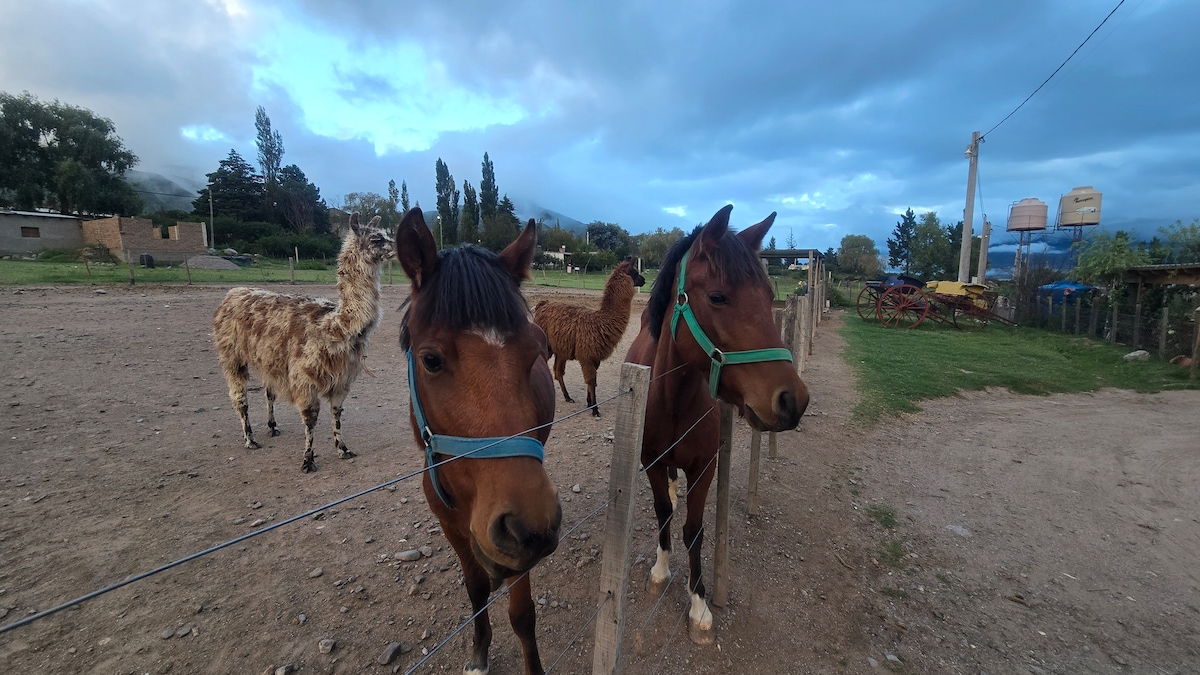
{"x":335,"y":406}
{"x":271,"y":411}
{"x":589,"y":376}
{"x":560,"y":370}
{"x":236,"y":376}
{"x":523,"y":618}
{"x":700,"y":628}
{"x":660,"y":574}
{"x":309,"y":413}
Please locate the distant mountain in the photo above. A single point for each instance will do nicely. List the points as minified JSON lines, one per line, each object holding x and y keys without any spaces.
{"x":531,"y":210}
{"x":160,"y":192}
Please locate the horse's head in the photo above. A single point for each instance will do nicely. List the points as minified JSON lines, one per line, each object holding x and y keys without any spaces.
{"x":479,"y":371}
{"x":731,"y":334}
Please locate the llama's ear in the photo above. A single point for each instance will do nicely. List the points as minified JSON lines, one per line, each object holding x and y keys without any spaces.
{"x":415,"y":248}
{"x":374,"y":224}
{"x":753,"y":235}
{"x":715,"y":230}
{"x":354,"y":222}
{"x":518,"y":255}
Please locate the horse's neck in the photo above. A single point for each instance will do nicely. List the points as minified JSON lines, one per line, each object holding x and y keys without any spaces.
{"x":358,"y":297}
{"x":687,"y":384}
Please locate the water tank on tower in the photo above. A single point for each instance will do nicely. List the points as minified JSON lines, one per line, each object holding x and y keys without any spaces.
{"x":1027,"y":215}
{"x":1080,"y":206}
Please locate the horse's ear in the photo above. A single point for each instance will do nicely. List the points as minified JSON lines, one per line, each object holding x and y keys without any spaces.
{"x":415,"y":248}
{"x":715,"y":230}
{"x":518,"y":255}
{"x":752,"y":236}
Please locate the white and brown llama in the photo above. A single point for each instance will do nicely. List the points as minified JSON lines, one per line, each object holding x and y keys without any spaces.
{"x":589,"y":335}
{"x":302,"y":348}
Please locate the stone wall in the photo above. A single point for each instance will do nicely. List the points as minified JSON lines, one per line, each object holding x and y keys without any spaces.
{"x":130,"y":238}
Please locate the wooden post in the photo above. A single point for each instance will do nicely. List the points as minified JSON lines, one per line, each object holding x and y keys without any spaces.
{"x":721,"y":554}
{"x":1064,"y":315}
{"x":292,"y":268}
{"x":752,"y":487}
{"x":1196,"y":345}
{"x":1112,"y":336}
{"x":778,"y":315}
{"x":618,"y":530}
{"x":129,"y":264}
{"x":803,"y":316}
{"x":1078,"y":302}
{"x":1164,"y":324}
{"x":1094,"y":316}
{"x":188,"y":270}
{"x":1137,"y":319}
{"x":87,"y":266}
{"x":1049,"y":309}
{"x":390,"y":273}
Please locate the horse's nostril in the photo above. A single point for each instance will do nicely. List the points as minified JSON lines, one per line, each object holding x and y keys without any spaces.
{"x":788,"y":409}
{"x":512,"y":537}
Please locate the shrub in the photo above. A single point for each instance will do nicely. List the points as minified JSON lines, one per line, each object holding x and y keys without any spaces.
{"x":59,"y":255}
{"x":311,"y":265}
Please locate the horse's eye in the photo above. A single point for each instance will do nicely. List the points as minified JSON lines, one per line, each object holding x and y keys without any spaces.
{"x":432,"y":362}
{"x":718,"y":298}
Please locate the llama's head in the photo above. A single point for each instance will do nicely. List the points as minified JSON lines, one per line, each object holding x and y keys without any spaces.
{"x":369,"y":243}
{"x":630,"y":267}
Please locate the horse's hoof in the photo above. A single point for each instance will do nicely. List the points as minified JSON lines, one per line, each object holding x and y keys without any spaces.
{"x":252,"y":445}
{"x":345,"y":453}
{"x":656,"y":587}
{"x":595,"y":411}
{"x":569,"y":399}
{"x":700,"y":636}
{"x":276,"y":432}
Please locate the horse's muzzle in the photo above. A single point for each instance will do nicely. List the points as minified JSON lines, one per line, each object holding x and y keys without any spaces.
{"x":513,"y":537}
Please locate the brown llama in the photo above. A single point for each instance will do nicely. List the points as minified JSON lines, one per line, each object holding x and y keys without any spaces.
{"x":305,"y":348}
{"x":589,"y":335}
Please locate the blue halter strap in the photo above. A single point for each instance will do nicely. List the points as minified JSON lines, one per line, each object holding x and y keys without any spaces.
{"x":459,"y":446}
{"x":719,"y":358}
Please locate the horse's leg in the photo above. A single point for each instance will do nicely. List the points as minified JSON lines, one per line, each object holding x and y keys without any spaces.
{"x":673,"y":486}
{"x":479,"y":587}
{"x":700,"y":617}
{"x":523,"y":618}
{"x":560,"y":371}
{"x":335,"y":406}
{"x":271,"y":410}
{"x":309,"y":413}
{"x":589,"y":376}
{"x":660,"y":574}
{"x":236,"y":375}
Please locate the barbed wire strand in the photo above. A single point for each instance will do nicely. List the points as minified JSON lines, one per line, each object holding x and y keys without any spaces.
{"x":590,"y":621}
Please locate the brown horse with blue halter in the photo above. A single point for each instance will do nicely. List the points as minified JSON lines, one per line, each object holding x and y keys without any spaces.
{"x":482,"y":403}
{"x":725,"y":347}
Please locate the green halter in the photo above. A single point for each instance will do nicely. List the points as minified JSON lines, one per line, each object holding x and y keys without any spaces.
{"x":719,"y":358}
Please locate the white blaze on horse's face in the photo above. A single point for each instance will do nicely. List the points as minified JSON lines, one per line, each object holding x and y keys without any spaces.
{"x":491,"y":336}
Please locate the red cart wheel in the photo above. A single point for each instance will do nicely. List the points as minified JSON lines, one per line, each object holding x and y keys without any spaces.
{"x":903,"y":305}
{"x":868,"y":300}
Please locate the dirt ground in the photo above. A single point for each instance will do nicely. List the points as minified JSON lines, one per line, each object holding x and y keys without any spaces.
{"x":991,"y":533}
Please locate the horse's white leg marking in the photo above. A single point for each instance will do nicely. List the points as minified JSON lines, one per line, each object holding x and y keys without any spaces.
{"x":468,"y":670}
{"x":661,"y":570}
{"x":700,"y":615}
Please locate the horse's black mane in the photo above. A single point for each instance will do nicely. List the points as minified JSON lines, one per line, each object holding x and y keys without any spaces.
{"x":734,"y":261}
{"x":472,"y":289}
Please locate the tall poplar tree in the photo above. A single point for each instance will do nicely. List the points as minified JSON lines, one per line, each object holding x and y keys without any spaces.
{"x":489,"y":194}
{"x":447,"y":204}
{"x":901,"y":242}
{"x":469,"y":223}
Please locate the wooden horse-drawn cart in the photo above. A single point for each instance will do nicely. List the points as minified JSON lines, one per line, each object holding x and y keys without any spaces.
{"x":905,"y":301}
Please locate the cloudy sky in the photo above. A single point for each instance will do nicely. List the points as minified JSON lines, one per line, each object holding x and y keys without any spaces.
{"x":838,"y":115}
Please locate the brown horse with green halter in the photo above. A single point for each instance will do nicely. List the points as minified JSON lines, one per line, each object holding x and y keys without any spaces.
{"x":708,"y":334}
{"x":482,"y":403}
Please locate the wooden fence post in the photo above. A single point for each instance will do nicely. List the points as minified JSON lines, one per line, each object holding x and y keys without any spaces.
{"x":188,"y":270}
{"x":618,"y":530}
{"x":1164,"y":324}
{"x":721,"y":554}
{"x":1064,"y":315}
{"x":1112,"y":337}
{"x":292,"y":268}
{"x":1078,"y":303}
{"x":1196,"y":345}
{"x":752,"y":487}
{"x":1049,"y":310}
{"x":1093,"y":316}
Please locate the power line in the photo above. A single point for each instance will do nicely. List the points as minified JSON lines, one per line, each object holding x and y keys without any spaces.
{"x":1060,"y":67}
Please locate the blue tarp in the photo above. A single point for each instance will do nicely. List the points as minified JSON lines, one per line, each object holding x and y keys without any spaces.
{"x":1063,"y":289}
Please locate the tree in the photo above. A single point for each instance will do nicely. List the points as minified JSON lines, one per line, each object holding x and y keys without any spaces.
{"x":653,"y":246}
{"x":831,"y":260}
{"x":403,"y":197}
{"x":791,"y":240}
{"x":1183,"y":242}
{"x":556,"y":238}
{"x":934,"y":249}
{"x":468,"y":229}
{"x":503,"y":227}
{"x":237,"y":191}
{"x":901,"y":242}
{"x":270,"y":147}
{"x":771,"y":244}
{"x":1103,"y":259}
{"x":609,"y":237}
{"x":59,"y":155}
{"x":447,"y":203}
{"x":366,"y":204}
{"x":300,"y":202}
{"x":858,"y":257}
{"x":488,"y":192}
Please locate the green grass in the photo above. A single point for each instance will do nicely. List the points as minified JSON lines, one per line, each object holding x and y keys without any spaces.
{"x":884,"y":515}
{"x":897,"y":368}
{"x":893,"y":554}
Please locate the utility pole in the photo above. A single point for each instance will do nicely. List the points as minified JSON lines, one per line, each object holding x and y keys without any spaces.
{"x":211,"y":227}
{"x":984,"y":238}
{"x":964,"y":254}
